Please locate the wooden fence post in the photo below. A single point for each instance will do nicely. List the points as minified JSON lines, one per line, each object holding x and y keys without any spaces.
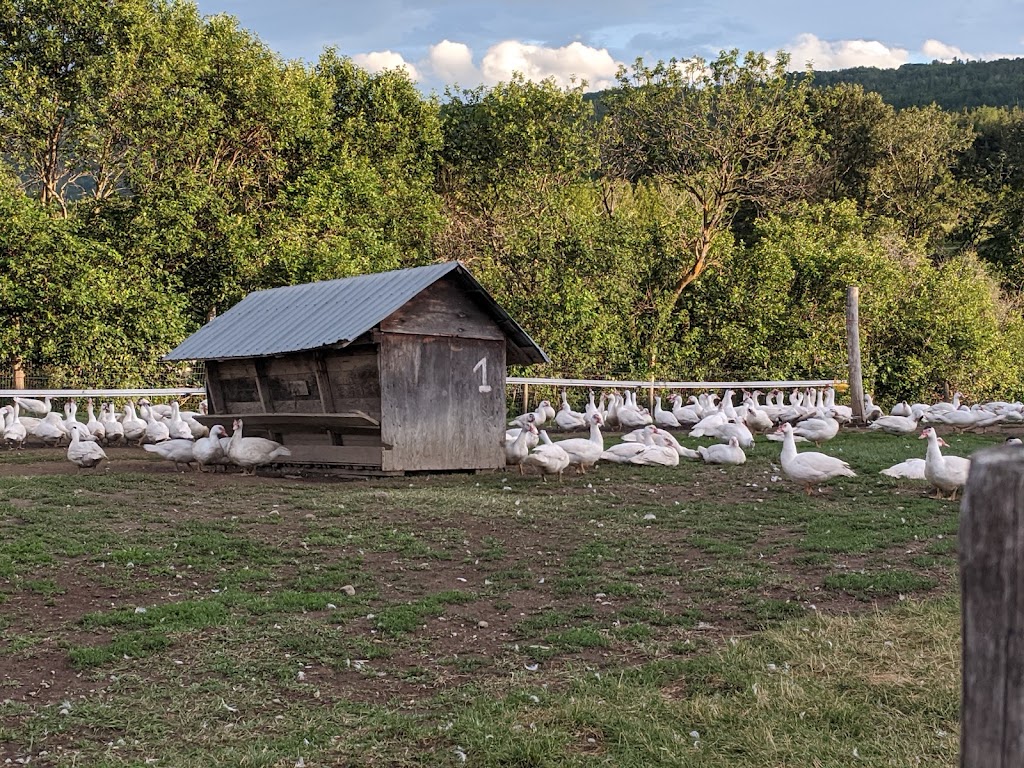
{"x":856,"y":377}
{"x":992,"y":606}
{"x":19,"y":373}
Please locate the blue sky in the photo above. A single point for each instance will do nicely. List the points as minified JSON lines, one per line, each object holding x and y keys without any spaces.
{"x":474,"y":41}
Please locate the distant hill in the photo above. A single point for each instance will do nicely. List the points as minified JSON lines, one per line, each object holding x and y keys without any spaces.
{"x":954,"y":86}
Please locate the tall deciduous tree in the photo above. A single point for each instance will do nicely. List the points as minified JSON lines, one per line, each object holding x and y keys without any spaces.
{"x":726,"y":133}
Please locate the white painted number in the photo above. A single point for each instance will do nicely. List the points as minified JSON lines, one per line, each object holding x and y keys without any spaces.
{"x":482,"y":367}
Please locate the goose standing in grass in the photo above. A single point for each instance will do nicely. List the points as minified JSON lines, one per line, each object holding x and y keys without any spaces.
{"x":662,"y":418}
{"x":94,"y":425}
{"x":82,"y":453}
{"x":179,"y":450}
{"x":252,"y":452}
{"x":14,"y":432}
{"x":548,"y":457}
{"x":820,"y":428}
{"x":947,"y":473}
{"x":584,"y":452}
{"x":568,"y":419}
{"x":810,"y":467}
{"x":539,"y":414}
{"x":134,"y":427}
{"x":50,"y":429}
{"x":112,"y":428}
{"x":210,"y":451}
{"x":518,"y":449}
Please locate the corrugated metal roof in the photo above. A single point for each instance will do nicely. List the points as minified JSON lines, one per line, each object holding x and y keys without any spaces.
{"x":313,"y":315}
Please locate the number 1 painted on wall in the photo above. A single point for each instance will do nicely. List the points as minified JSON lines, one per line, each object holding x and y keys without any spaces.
{"x":482,"y":367}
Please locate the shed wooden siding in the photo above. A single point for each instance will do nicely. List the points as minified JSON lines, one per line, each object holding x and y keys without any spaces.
{"x":440,"y":410}
{"x":443,"y":309}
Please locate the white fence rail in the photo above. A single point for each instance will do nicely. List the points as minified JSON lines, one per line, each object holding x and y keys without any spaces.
{"x":171,"y":392}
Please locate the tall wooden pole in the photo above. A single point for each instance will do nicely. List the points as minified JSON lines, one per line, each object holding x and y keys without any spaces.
{"x":992,"y":611}
{"x":856,"y":376}
{"x":19,"y":373}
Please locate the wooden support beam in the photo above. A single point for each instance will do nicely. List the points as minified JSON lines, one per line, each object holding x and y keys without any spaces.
{"x":992,"y":606}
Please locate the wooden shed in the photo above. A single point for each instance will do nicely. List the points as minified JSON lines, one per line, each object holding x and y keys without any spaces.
{"x":385,"y":373}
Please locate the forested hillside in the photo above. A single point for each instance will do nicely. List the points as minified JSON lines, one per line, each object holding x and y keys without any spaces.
{"x":159,"y":165}
{"x":955,"y":85}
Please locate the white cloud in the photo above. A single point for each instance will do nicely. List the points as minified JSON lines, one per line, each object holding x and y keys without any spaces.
{"x":843,"y":54}
{"x":934,"y":49}
{"x":453,"y":63}
{"x":378,"y":61}
{"x":535,"y":62}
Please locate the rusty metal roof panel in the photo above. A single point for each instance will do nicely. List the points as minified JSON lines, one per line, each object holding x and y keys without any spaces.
{"x":295,"y":318}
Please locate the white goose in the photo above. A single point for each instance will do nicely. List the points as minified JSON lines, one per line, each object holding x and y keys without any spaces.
{"x":252,"y":452}
{"x":947,"y":473}
{"x":134,"y":427}
{"x":911,"y":469}
{"x":178,"y":450}
{"x":35,"y":407}
{"x":177,"y":428}
{"x":820,"y":428}
{"x":584,"y":452}
{"x":568,"y":419}
{"x":209,"y":450}
{"x":14,"y":431}
{"x":112,"y":428}
{"x":895,"y":425}
{"x":82,"y":453}
{"x":156,"y":429}
{"x":810,"y":467}
{"x":662,"y":418}
{"x":518,"y":449}
{"x":655,"y":454}
{"x":540,"y":415}
{"x":50,"y":429}
{"x":94,"y":425}
{"x":723,"y":454}
{"x":548,"y":457}
{"x":622,"y":453}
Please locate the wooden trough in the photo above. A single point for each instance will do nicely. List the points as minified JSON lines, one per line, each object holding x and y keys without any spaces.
{"x":394,"y":372}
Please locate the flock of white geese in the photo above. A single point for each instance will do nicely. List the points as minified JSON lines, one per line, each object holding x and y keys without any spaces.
{"x":166,"y":430}
{"x":810,"y":415}
{"x":803,"y":416}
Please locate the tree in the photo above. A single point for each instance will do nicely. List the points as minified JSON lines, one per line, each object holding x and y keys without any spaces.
{"x":725,"y":133}
{"x":913,"y":183}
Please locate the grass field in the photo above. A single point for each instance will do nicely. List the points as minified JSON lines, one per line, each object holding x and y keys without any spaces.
{"x":692,"y":616}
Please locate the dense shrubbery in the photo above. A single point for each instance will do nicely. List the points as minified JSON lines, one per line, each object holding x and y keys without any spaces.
{"x":161,"y":165}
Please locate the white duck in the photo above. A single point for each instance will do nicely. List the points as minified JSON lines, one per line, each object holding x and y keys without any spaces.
{"x":568,"y":419}
{"x":50,"y":429}
{"x":177,"y":428}
{"x":810,"y":467}
{"x":35,"y":407}
{"x":686,"y":414}
{"x":14,"y":431}
{"x":84,"y":454}
{"x":895,"y":425}
{"x":539,"y":414}
{"x":518,"y":449}
{"x":667,"y":439}
{"x":723,"y":454}
{"x":662,"y":418}
{"x":548,"y":457}
{"x":947,"y":473}
{"x":584,"y":452}
{"x":112,"y":428}
{"x":156,"y":429}
{"x":622,"y":453}
{"x":178,"y":450}
{"x":134,"y":427}
{"x":871,"y":411}
{"x":730,"y":429}
{"x":210,"y":450}
{"x":252,"y":452}
{"x":911,"y":469}
{"x":655,"y":454}
{"x":94,"y":425}
{"x":820,"y":428}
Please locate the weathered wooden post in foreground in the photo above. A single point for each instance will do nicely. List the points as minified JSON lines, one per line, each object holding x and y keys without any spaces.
{"x":992,"y":605}
{"x":856,"y":377}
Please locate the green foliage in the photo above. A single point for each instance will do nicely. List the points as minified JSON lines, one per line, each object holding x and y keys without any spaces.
{"x":158,"y":165}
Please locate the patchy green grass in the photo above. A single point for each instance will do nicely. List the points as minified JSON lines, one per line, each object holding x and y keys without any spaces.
{"x":687,"y":616}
